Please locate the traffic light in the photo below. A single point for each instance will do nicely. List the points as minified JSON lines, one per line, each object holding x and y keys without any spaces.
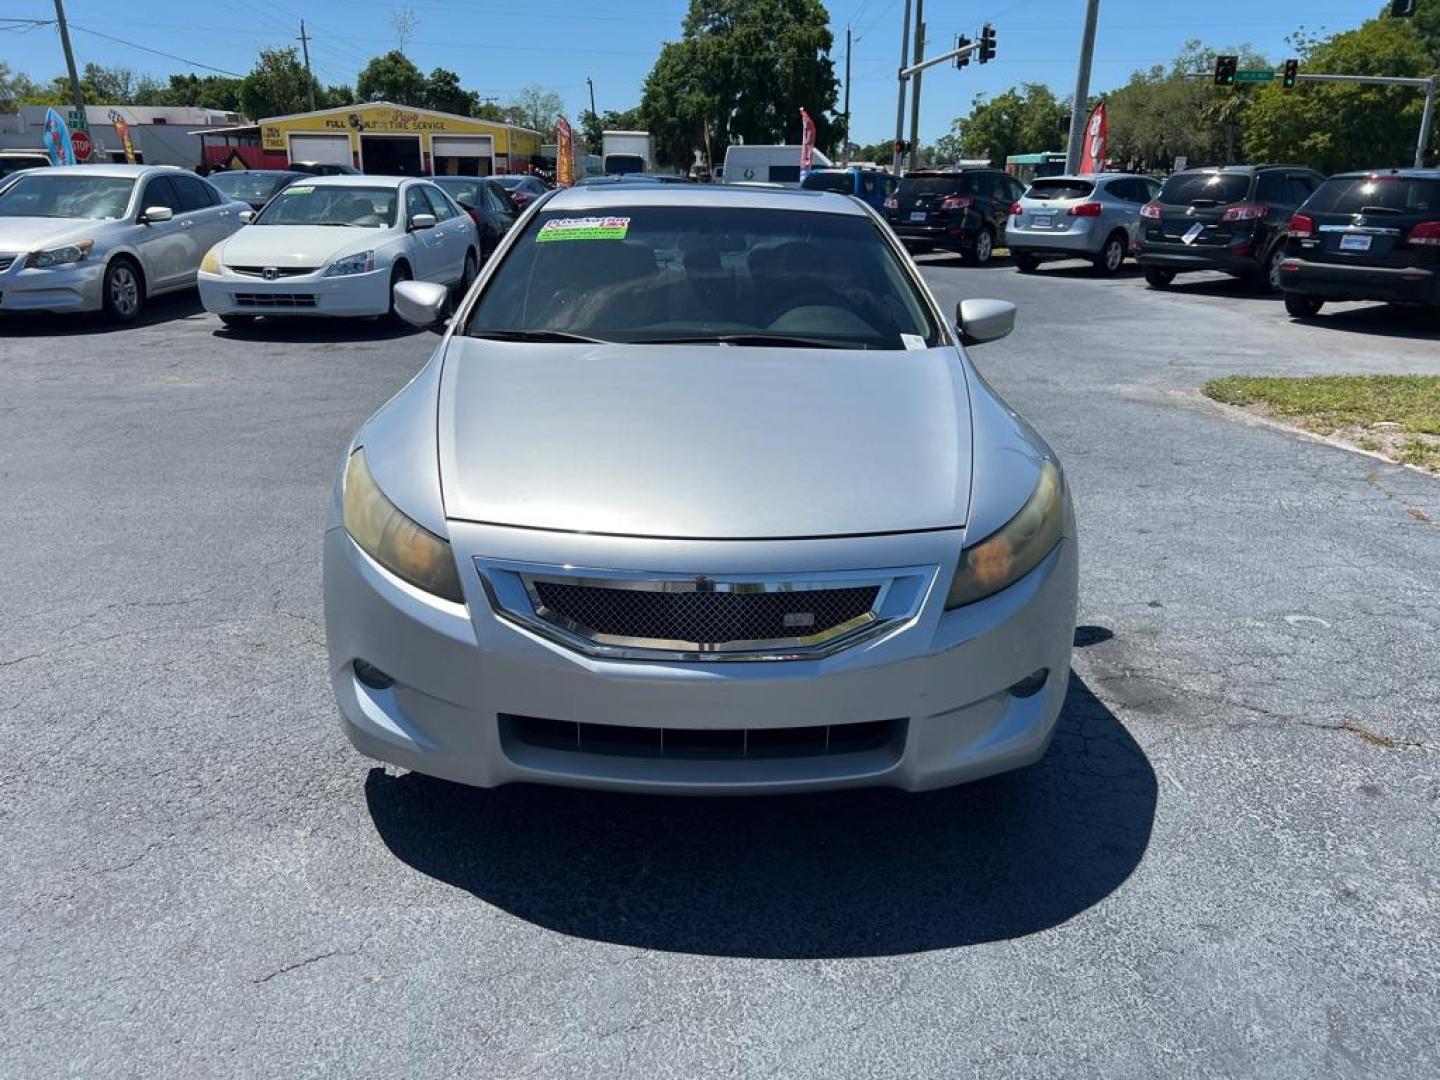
{"x":1225,"y":68}
{"x":901,"y":147}
{"x":962,"y":42}
{"x":1292,"y":73}
{"x":987,"y":43}
{"x":1403,"y":9}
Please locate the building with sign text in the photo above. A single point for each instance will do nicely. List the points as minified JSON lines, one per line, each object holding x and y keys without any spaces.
{"x":379,"y":138}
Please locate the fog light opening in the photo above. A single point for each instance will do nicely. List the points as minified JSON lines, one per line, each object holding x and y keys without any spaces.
{"x":372,"y":676}
{"x":1031,"y":685}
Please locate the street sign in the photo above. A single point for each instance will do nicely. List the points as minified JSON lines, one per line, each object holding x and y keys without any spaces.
{"x":81,"y":142}
{"x":76,"y":121}
{"x":1254,"y":76}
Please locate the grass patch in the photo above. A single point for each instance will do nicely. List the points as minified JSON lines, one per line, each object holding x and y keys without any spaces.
{"x":1395,"y":415}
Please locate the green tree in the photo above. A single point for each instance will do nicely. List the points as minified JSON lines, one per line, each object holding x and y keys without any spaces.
{"x":1024,"y":119}
{"x":593,"y":126}
{"x":393,"y":78}
{"x":1334,"y":127}
{"x":742,"y":71}
{"x":443,"y":91}
{"x":107,"y":85}
{"x":278,"y":84}
{"x":536,"y":108}
{"x":15,"y":87}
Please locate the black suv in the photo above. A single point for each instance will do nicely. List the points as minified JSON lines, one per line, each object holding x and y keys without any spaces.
{"x":1231,"y":218}
{"x":962,"y":210}
{"x":1365,"y":236}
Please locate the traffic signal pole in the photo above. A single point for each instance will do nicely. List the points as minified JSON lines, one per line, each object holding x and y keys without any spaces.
{"x":915,"y":90}
{"x":968,"y":49}
{"x":1080,"y":105}
{"x":1427,"y":119}
{"x":899,"y":161}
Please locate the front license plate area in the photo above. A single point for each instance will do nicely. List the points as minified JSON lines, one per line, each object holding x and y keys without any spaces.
{"x":1355,"y":242}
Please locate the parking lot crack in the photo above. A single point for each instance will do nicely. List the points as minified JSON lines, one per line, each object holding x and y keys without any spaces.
{"x":296,"y":965}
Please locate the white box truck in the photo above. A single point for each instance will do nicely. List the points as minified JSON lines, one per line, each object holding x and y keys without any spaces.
{"x":767,"y":165}
{"x":627,"y":152}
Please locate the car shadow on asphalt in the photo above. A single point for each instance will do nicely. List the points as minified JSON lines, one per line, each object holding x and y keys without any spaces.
{"x":1221,"y":285}
{"x":169,"y":307}
{"x":321,"y":331}
{"x":841,"y":874}
{"x":1382,"y":320}
{"x":1080,"y":268}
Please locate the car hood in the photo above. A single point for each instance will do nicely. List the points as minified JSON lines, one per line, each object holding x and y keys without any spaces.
{"x":297,"y":245}
{"x":702,"y":441}
{"x":34,"y":233}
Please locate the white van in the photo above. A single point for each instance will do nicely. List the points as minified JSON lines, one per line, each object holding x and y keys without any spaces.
{"x":766,"y":165}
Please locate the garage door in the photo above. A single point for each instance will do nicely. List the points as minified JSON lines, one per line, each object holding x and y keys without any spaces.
{"x":326,"y":149}
{"x":462,"y":155}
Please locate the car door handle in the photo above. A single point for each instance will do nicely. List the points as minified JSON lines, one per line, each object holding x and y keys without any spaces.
{"x":186,"y":224}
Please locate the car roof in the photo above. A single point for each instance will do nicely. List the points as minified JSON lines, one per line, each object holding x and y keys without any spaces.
{"x":1403,"y":174}
{"x":952,"y":170}
{"x":620,"y":196}
{"x":1243,"y":169}
{"x":125,"y":171}
{"x":363,"y":180}
{"x":256,"y":172}
{"x":1090,"y":177}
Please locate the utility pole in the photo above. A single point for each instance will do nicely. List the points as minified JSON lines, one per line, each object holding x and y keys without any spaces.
{"x":1427,"y":120}
{"x":898,"y":163}
{"x":591,"y":83}
{"x":1080,"y":106}
{"x":76,"y":95}
{"x":845,"y":149}
{"x":309,"y":78}
{"x":915,"y":90}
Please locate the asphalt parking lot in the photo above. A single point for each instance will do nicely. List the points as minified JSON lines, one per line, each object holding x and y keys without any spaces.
{"x":1227,"y":865}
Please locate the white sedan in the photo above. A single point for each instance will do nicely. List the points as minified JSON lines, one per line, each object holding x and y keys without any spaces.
{"x":336,"y":246}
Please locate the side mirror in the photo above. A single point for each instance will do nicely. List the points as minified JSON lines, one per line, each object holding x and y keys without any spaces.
{"x":422,"y":303}
{"x":980,"y":321}
{"x":247,"y":216}
{"x":156,"y":214}
{"x":422,"y":221}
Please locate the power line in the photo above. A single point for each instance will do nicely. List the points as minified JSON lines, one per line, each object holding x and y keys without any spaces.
{"x":157,"y":52}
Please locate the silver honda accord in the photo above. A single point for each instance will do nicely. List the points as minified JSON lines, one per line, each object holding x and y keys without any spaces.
{"x":700,"y":492}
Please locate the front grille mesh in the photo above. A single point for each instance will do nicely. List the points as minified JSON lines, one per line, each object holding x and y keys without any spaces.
{"x":280,"y":271}
{"x":275,"y":300}
{"x":715,"y":744}
{"x":704,"y":618}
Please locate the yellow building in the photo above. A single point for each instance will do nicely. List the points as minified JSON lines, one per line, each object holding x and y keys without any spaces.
{"x":379,"y":138}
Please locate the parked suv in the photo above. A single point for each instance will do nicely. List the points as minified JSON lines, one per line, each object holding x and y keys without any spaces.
{"x":867,"y":184}
{"x":1365,"y":236}
{"x":961,"y":210}
{"x":1079,"y":217}
{"x":1231,"y":218}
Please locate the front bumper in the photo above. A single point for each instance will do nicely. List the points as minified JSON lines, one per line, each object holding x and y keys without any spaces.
{"x":73,"y":287}
{"x":1399,"y":285}
{"x":461,"y":671}
{"x":309,"y":294}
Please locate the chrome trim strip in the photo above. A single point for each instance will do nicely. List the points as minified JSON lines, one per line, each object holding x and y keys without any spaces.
{"x":1367,"y":230}
{"x":510,"y":587}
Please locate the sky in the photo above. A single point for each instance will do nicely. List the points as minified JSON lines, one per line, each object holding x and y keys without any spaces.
{"x":499,"y":46}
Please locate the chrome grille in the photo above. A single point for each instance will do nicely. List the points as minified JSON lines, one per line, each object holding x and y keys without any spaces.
{"x":275,"y":300}
{"x":635,"y":615}
{"x":279,"y":271}
{"x":708,"y":619}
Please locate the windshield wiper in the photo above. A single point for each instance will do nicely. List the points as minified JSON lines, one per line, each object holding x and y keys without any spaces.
{"x":781,"y":340}
{"x":537,"y":335}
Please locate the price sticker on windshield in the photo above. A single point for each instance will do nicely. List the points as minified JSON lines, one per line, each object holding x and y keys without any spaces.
{"x":584,"y":228}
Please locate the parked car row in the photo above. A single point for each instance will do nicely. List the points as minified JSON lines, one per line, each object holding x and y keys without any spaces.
{"x":109,"y":237}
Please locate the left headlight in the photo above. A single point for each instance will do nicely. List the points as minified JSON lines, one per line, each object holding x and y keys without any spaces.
{"x":70,"y":253}
{"x":402,"y":546}
{"x":1017,"y":547}
{"x":210,"y":264}
{"x":362,"y":262}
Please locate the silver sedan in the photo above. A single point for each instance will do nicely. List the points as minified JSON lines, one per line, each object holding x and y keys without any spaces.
{"x":700,"y":492}
{"x":106,"y":237}
{"x":1079,"y":217}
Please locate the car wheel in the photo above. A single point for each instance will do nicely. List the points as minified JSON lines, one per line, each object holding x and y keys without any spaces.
{"x":1268,"y":280}
{"x":467,"y":277}
{"x":1303,"y":307}
{"x":1157,"y":278}
{"x":399,"y":274}
{"x":234,"y":321}
{"x":123,"y":291}
{"x":1026,"y":264}
{"x":1112,"y":256}
{"x":984,"y":248}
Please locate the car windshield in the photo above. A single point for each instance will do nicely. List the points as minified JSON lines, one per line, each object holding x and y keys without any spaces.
{"x":705,"y":274}
{"x":958,"y":184}
{"x":462,"y":191}
{"x":64,"y":195}
{"x":842,"y":182}
{"x":1352,"y":194}
{"x":1215,"y":189}
{"x":1060,"y":189}
{"x":331,"y":204}
{"x":512,"y":183}
{"x":250,"y":186}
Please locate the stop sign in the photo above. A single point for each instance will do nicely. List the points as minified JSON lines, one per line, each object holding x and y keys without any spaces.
{"x":80,"y":141}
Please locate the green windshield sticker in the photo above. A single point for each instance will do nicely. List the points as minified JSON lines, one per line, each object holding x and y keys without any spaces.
{"x":299,"y":190}
{"x":584,"y":228}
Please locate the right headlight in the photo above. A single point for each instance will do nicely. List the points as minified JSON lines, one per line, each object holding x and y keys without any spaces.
{"x":402,"y":546}
{"x":1017,"y":547}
